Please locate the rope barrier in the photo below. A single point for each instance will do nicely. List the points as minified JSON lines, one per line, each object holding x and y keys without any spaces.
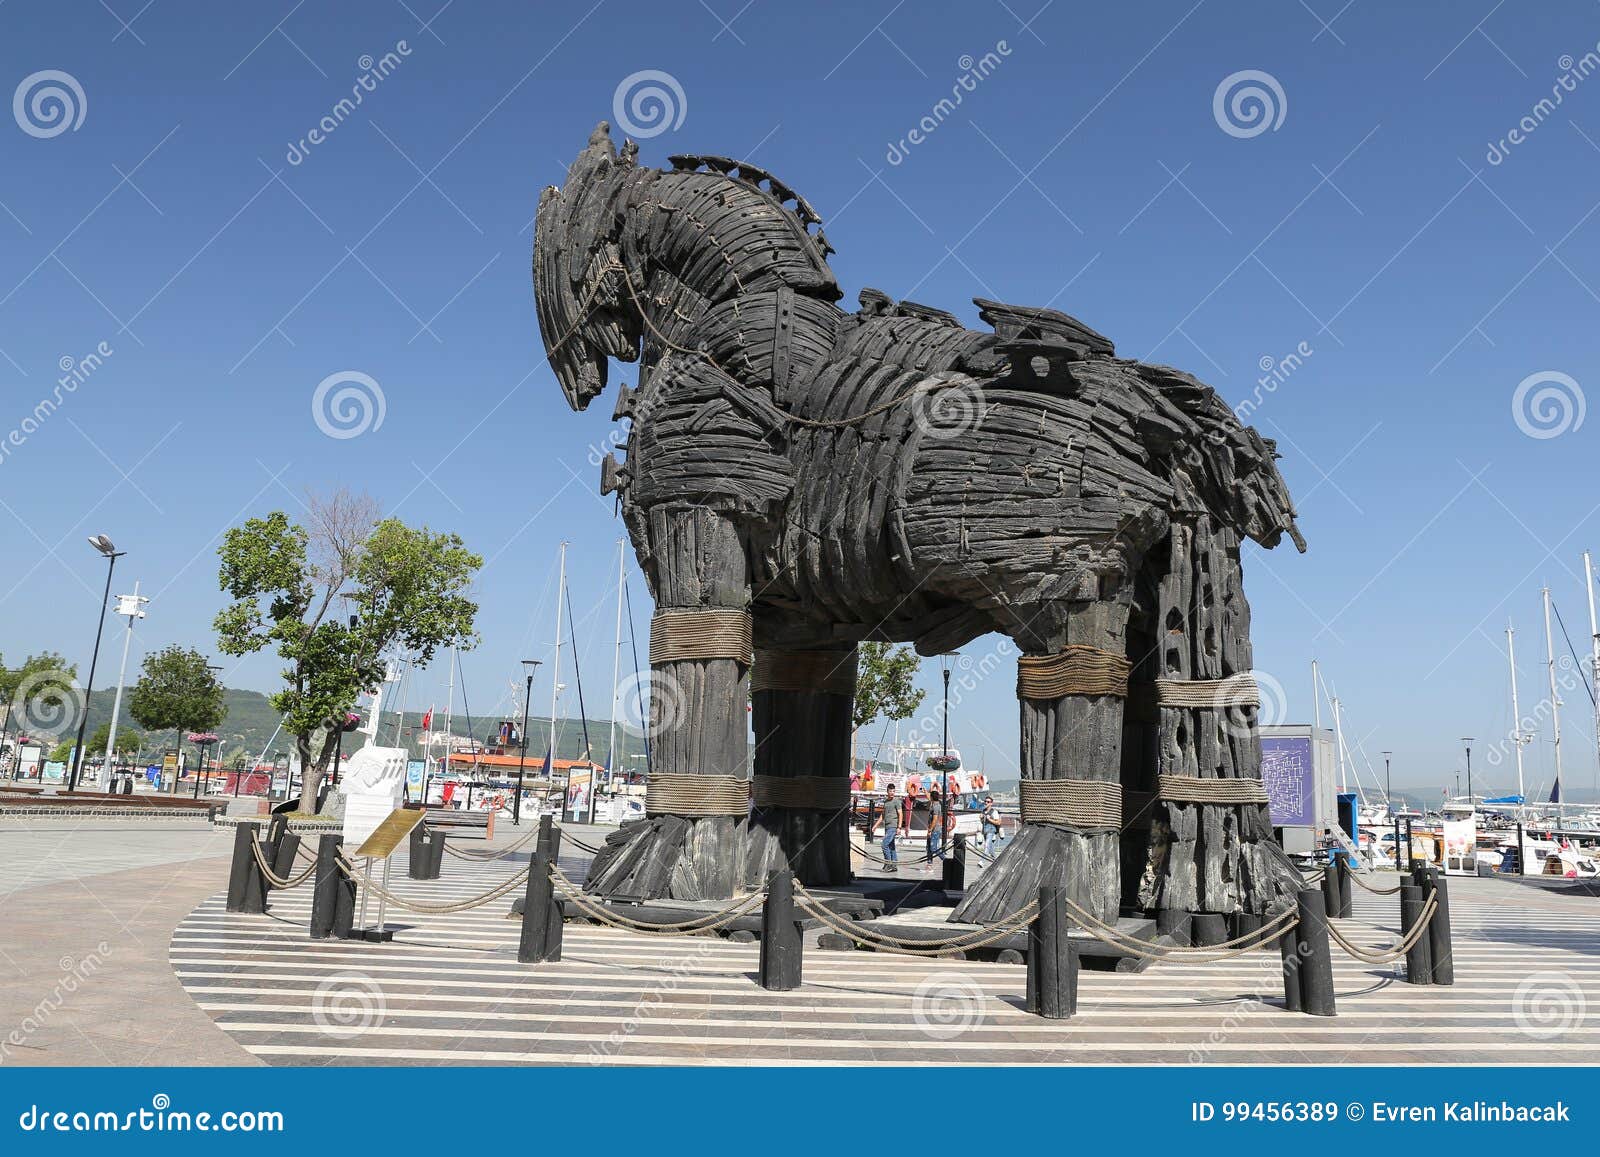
{"x":273,"y":878}
{"x":922,"y":859}
{"x":1227,"y":949}
{"x":1402,"y":946}
{"x":919,"y":946}
{"x":399,"y":901}
{"x":1375,"y":891}
{"x":707,"y":923}
{"x":487,"y":856}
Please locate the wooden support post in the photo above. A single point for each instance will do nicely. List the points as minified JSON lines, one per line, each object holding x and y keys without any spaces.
{"x":436,"y":847}
{"x":1052,"y":958}
{"x":242,"y":865}
{"x":955,"y":868}
{"x":1444,"y":964}
{"x":1419,"y":959}
{"x":327,"y":884}
{"x":782,"y":941}
{"x":1346,"y":899}
{"x":1246,"y":924}
{"x":1316,"y":960}
{"x":1289,"y":949}
{"x":541,"y":917}
{"x":1209,"y":928}
{"x":1176,"y":925}
{"x":547,"y":831}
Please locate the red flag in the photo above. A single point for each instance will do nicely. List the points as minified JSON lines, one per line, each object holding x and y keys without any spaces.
{"x":427,"y":719}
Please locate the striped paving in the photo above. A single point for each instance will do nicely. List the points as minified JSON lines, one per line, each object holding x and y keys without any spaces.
{"x":449,"y":990}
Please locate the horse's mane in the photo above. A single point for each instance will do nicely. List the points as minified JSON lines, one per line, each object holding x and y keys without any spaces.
{"x":760,"y":179}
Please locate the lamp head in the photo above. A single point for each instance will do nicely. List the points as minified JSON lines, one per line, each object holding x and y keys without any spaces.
{"x":103,"y":544}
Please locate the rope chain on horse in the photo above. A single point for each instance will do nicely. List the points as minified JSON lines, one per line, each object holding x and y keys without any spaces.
{"x":980,"y":936}
{"x":485,"y":857}
{"x":707,"y":923}
{"x":488,"y":897}
{"x":273,"y":878}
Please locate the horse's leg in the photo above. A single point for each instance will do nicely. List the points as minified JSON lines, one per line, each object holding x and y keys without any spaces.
{"x":1072,"y":736}
{"x":689,"y":846}
{"x":1205,"y":857}
{"x":802,"y":704}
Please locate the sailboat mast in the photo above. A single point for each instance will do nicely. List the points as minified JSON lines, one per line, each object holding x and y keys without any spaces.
{"x":449,"y":706}
{"x":1594,"y":648}
{"x":616,"y":664}
{"x":1338,"y":745}
{"x":1316,"y":697}
{"x":1555,"y":699}
{"x":555,"y":671}
{"x":1516,"y":710}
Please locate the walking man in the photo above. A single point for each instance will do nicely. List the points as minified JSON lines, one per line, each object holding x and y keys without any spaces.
{"x":935,"y":824}
{"x":991,"y":825}
{"x":891,"y":829}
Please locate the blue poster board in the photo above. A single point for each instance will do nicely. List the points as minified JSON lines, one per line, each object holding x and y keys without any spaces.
{"x":1286,"y":773}
{"x":415,"y":770}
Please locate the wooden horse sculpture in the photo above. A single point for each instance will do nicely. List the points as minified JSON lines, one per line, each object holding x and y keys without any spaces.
{"x":799,"y":479}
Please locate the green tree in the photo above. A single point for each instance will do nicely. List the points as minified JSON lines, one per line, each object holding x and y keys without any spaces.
{"x":128,"y":742}
{"x":177,"y":691}
{"x":41,"y":694}
{"x":885,"y":683}
{"x":61,"y":752}
{"x":406,"y":588}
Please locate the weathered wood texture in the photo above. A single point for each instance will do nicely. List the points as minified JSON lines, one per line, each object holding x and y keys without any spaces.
{"x":890,"y":474}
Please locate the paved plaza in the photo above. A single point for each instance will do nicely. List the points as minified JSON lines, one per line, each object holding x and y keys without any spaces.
{"x":182,"y":981}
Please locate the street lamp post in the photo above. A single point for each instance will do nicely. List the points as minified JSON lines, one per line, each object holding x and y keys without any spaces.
{"x":1467,"y":741}
{"x":103,"y":544}
{"x":532,"y":666}
{"x":1388,"y":781}
{"x":200,"y":748}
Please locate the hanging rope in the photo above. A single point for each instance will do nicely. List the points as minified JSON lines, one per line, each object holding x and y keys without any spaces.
{"x":1238,"y":946}
{"x":484,"y":857}
{"x":400,"y":901}
{"x":273,"y":878}
{"x":1404,"y":945}
{"x":924,"y":859}
{"x":1375,"y":891}
{"x":609,"y":916}
{"x":915,"y":946}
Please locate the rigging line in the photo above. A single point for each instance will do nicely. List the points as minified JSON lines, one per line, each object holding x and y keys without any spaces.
{"x":477,"y":749}
{"x":1577,"y":666}
{"x":638,"y":690}
{"x":577,"y":676}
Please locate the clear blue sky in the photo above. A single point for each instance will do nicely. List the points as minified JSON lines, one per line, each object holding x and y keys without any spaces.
{"x":1087,"y":171}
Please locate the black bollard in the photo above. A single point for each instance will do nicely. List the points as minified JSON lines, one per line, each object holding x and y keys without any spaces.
{"x":419,"y":856}
{"x":539,"y":911}
{"x":1346,"y":900}
{"x":1208,"y":928}
{"x":782,"y":939}
{"x":1288,"y":948}
{"x":1245,"y":924}
{"x":1444,"y":963}
{"x":242,"y":865}
{"x":1419,"y":960}
{"x":1316,"y":961}
{"x":327,"y":884}
{"x":1052,"y":958}
{"x":436,"y":846}
{"x":288,"y":847}
{"x":955,"y":868}
{"x":1330,"y":886}
{"x":1522,"y":868}
{"x":1176,"y":925}
{"x":276,"y":827}
{"x":556,"y":914}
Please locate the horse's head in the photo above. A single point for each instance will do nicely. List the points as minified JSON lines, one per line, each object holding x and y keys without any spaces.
{"x":584,"y":315}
